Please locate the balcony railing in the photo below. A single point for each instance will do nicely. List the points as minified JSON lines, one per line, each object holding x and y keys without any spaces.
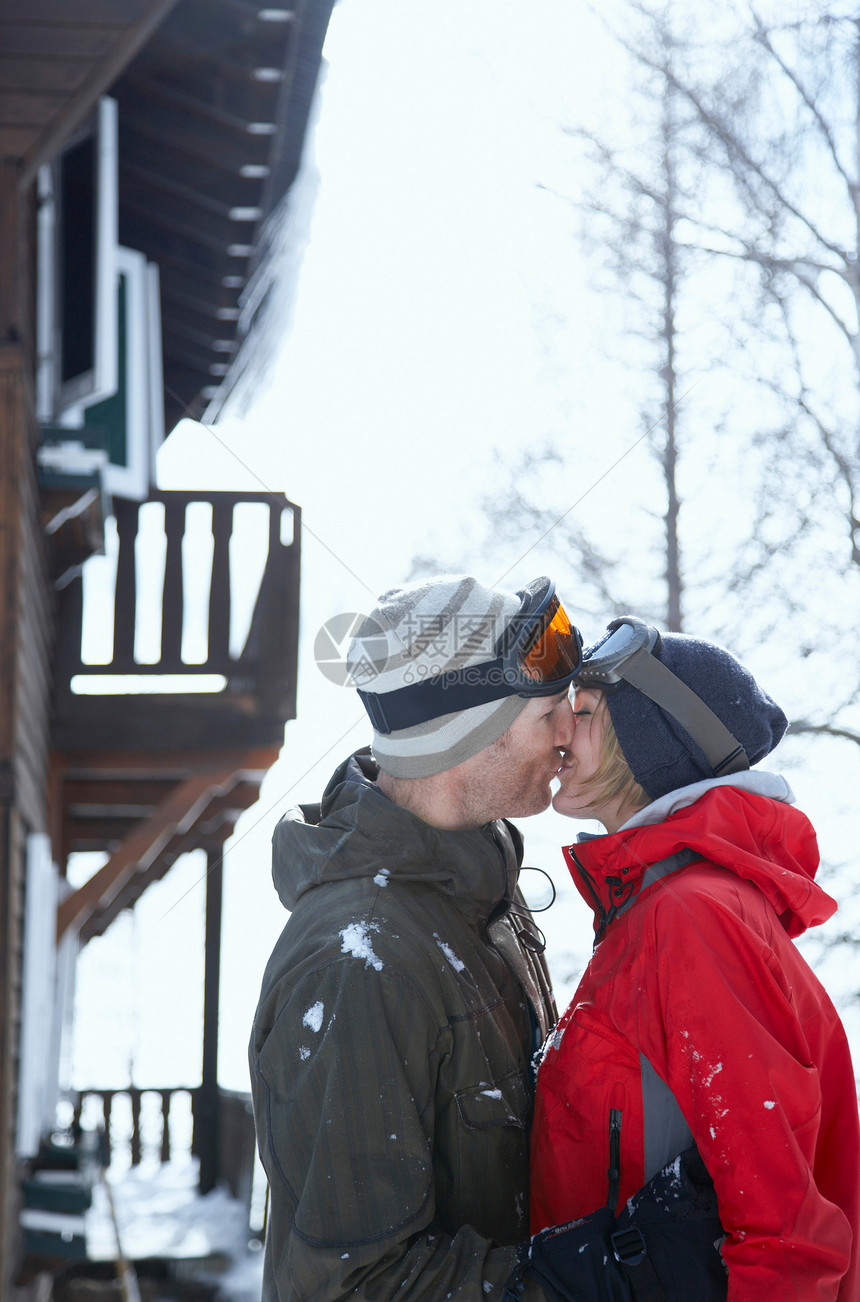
{"x":136,"y":1123}
{"x":173,"y":633}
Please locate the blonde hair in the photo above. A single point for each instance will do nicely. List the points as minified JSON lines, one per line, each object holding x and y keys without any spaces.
{"x":613,"y":779}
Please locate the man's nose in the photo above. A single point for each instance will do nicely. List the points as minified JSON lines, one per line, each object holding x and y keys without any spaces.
{"x":566,"y":724}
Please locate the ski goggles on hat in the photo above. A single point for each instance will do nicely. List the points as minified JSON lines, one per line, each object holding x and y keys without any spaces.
{"x":538,"y":654}
{"x":628,"y":654}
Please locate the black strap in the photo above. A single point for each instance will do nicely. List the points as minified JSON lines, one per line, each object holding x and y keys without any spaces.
{"x":724,"y":752}
{"x":430,"y":698}
{"x":631,"y":1251}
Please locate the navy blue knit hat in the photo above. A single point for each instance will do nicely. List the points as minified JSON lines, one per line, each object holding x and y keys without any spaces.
{"x":660,"y":752}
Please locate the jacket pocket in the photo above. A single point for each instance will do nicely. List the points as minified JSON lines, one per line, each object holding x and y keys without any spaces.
{"x":505,"y":1102}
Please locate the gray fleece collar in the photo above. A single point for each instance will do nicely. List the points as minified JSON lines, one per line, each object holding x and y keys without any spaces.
{"x":757,"y":781}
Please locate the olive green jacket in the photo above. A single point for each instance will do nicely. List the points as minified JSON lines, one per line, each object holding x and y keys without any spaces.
{"x":390,"y":1056}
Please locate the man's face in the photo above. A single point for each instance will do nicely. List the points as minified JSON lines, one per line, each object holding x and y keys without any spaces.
{"x":512,"y":777}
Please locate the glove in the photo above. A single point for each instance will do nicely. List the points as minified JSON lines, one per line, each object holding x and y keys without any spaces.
{"x":664,"y":1246}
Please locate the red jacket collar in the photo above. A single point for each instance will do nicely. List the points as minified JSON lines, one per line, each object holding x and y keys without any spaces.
{"x":763,"y":841}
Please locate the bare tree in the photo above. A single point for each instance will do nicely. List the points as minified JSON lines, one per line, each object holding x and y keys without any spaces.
{"x":736,"y":199}
{"x":740,"y":197}
{"x":778,"y":103}
{"x":634,"y":214}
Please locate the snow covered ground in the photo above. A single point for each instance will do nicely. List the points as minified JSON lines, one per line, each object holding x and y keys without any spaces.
{"x":159,"y":1213}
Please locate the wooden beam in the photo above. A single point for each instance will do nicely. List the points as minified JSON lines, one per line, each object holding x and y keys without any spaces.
{"x":191,"y":217}
{"x":171,"y":181}
{"x":163,"y":763}
{"x":222,"y":61}
{"x":200,"y":330}
{"x":107,"y":791}
{"x":223,"y":85}
{"x":31,"y":74}
{"x":181,"y":234}
{"x":188,"y":110}
{"x":167,"y":722}
{"x":231,"y":27}
{"x":191,"y":293}
{"x":31,"y":108}
{"x":98,"y":81}
{"x":207,"y":1133}
{"x":175,"y":814}
{"x":227,"y":144}
{"x":118,"y":13}
{"x":198,"y":836}
{"x":194,"y":354}
{"x":68,"y":40}
{"x":103,"y":826}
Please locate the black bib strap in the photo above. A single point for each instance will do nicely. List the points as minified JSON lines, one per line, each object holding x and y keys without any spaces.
{"x":630,"y":1250}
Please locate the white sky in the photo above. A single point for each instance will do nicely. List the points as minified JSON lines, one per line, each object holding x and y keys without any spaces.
{"x":442,"y":314}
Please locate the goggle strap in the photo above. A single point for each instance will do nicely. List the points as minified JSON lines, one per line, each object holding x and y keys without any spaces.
{"x":405,"y":707}
{"x":536,"y":599}
{"x":650,"y":676}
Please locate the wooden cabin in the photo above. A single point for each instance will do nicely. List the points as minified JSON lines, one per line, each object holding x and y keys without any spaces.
{"x":147,"y":148}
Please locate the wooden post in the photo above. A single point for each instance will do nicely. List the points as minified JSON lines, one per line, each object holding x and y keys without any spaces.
{"x":207,"y":1128}
{"x":13,"y":445}
{"x":10,"y":267}
{"x":166,"y":1096}
{"x":134,"y":1099}
{"x":7,"y":1039}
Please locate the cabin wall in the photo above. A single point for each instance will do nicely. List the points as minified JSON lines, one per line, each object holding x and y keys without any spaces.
{"x":222,"y":169}
{"x":25,"y":686}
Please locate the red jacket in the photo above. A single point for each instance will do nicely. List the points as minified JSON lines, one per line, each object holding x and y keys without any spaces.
{"x":695,"y":985}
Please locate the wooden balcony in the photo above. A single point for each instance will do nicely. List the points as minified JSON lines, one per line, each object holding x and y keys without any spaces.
{"x":259,"y":692}
{"x":147,"y":775}
{"x":143,"y":773}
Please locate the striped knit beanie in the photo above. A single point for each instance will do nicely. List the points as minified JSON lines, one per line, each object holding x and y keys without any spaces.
{"x":420,"y":631}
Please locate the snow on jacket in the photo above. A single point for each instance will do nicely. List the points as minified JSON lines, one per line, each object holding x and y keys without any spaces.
{"x":391,"y":1056}
{"x":698,"y":1016}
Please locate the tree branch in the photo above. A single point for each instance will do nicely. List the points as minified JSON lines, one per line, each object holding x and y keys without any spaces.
{"x":823,"y":729}
{"x":763,"y":37}
{"x":734,"y":147}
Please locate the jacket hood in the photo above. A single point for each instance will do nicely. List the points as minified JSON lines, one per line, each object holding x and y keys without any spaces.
{"x":356,"y":831}
{"x":760,"y":839}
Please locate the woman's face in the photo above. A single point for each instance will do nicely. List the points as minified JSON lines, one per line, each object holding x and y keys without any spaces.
{"x":583,"y":756}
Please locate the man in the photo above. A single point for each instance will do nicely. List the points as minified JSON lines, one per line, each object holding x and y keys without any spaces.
{"x":400,"y":1010}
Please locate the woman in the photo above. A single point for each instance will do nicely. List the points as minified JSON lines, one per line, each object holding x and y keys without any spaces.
{"x":696,"y":1019}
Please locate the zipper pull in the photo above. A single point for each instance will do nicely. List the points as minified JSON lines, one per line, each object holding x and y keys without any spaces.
{"x":614,"y":1172}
